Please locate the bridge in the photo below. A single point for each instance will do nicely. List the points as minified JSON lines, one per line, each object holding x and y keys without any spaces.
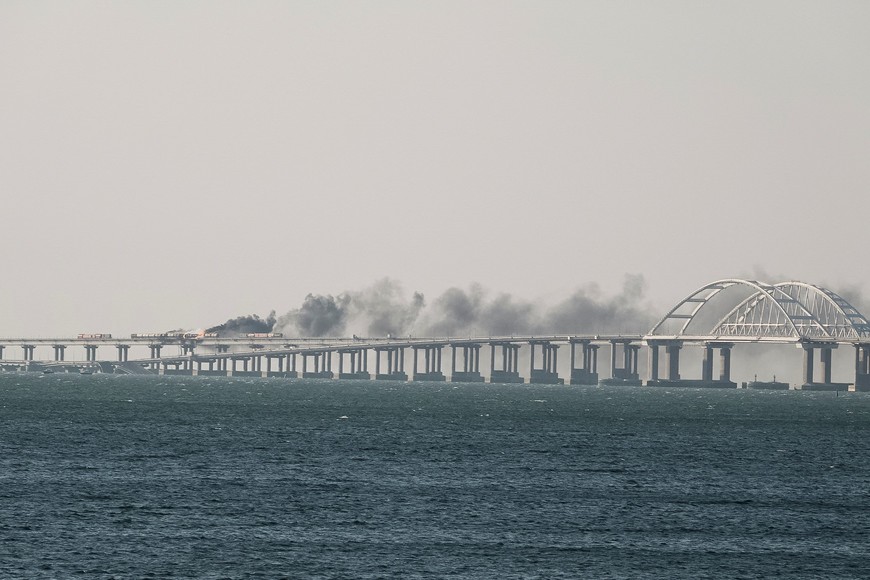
{"x":716,"y":316}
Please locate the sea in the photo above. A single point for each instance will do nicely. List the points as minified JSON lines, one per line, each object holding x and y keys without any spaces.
{"x":106,"y":476}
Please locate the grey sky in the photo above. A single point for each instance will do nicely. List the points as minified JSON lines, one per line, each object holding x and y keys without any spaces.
{"x":170,"y":164}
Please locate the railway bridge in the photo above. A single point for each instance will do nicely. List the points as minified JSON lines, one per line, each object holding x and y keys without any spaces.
{"x":715,"y":317}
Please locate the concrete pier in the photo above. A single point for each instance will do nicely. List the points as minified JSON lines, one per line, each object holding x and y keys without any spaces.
{"x":357,"y":364}
{"x":825,"y":355}
{"x":321,"y":365}
{"x":508,"y":372}
{"x":587,"y":374}
{"x":27,"y":351}
{"x":706,"y":380}
{"x":470,"y":372}
{"x":395,"y":364}
{"x":432,"y":360}
{"x":626,"y":373}
{"x":546,"y":373}
{"x":862,"y":367}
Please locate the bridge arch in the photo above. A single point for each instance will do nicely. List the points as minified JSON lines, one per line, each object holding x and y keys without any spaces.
{"x":789,"y":311}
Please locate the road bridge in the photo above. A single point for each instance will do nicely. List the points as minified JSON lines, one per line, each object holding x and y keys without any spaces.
{"x":715,"y":317}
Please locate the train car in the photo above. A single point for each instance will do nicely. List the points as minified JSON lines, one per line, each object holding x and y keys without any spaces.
{"x":92,"y":335}
{"x":149,"y":335}
{"x":264,"y":335}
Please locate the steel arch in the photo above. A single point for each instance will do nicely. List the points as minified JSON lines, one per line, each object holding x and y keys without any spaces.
{"x":824,"y":314}
{"x":788,"y":310}
{"x":771,"y":297}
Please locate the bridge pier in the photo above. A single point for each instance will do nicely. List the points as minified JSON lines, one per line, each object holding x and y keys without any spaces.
{"x":395,"y":360}
{"x":707,"y":365}
{"x":825,"y":356}
{"x":291,"y":365}
{"x":724,"y":379}
{"x":508,"y":373}
{"x":588,"y":373}
{"x":357,"y":364}
{"x":59,"y":352}
{"x":28,"y":350}
{"x":672,"y":348}
{"x":211,"y":371}
{"x":123,"y":352}
{"x":547,"y":373}
{"x":862,"y":367}
{"x":155,"y":354}
{"x":673,"y":351}
{"x":279,"y":360}
{"x":627,"y":373}
{"x":470,"y":372}
{"x":178,"y":368}
{"x":432,"y":359}
{"x":322,"y":361}
{"x":91,"y":352}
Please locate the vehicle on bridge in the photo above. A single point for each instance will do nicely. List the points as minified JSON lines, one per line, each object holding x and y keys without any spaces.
{"x":94,"y":335}
{"x":264,"y":335}
{"x":191,"y":335}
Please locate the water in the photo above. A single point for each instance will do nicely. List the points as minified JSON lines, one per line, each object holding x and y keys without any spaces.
{"x":132,"y":477}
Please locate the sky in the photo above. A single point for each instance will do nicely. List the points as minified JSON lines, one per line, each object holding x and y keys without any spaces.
{"x":169,"y":164}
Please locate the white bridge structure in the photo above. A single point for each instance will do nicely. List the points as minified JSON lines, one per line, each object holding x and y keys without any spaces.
{"x":717,"y":316}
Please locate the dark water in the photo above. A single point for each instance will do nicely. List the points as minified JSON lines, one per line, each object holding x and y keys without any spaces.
{"x":130,"y":477}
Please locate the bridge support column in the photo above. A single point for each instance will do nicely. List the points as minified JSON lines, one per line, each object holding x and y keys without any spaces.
{"x":28,"y":350}
{"x":826,"y":352}
{"x":808,"y":365}
{"x":91,"y":352}
{"x":395,"y":363}
{"x":59,"y":352}
{"x":432,"y":359}
{"x":547,"y":373}
{"x":673,"y":351}
{"x":508,"y":372}
{"x":707,"y":365}
{"x":627,"y":374}
{"x":155,"y":354}
{"x":470,"y":372}
{"x":123,"y":352}
{"x":584,"y":374}
{"x":356,"y":359}
{"x":725,"y":364}
{"x":322,"y":365}
{"x":862,"y":367}
{"x":653,"y":362}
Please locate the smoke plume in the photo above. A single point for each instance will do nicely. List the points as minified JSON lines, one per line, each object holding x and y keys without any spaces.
{"x":378,"y":310}
{"x":244,"y":324}
{"x":383,"y":309}
{"x":459,"y":312}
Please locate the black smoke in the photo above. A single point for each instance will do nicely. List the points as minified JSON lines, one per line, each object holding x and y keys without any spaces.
{"x":383,"y":309}
{"x":589,"y":310}
{"x":320,"y":316}
{"x":474,"y":312}
{"x":245,"y":324}
{"x":379,"y":310}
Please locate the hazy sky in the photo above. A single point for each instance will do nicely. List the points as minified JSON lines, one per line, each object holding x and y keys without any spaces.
{"x":174,"y":164}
